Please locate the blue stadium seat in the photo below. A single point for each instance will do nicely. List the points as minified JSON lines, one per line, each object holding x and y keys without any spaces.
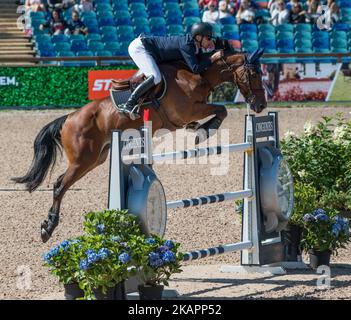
{"x":191,"y":12}
{"x":267,"y":43}
{"x":125,"y":21}
{"x":108,"y":37}
{"x":42,"y":38}
{"x":266,"y":27}
{"x":96,"y":46}
{"x":154,"y":6}
{"x":125,"y":33}
{"x":321,"y":43}
{"x":120,"y":6}
{"x":286,"y":27}
{"x":62,"y":46}
{"x":228,"y":20}
{"x":175,"y":29}
{"x":156,"y":13}
{"x":248,"y":35}
{"x":231,"y":35}
{"x":303,"y":43}
{"x":106,"y":21}
{"x":113,"y":47}
{"x":78,"y":45}
{"x":93,"y":37}
{"x":142,"y":29}
{"x":286,"y":44}
{"x":137,"y":6}
{"x":158,"y":30}
{"x":174,"y":20}
{"x":139,"y":14}
{"x":59,"y":38}
{"x":248,"y":27}
{"x":88,"y":15}
{"x":108,"y":29}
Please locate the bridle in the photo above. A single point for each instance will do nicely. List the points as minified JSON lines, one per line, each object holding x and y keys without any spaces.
{"x":245,"y":79}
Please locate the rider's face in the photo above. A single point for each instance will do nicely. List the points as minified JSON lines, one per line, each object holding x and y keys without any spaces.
{"x":207,"y":42}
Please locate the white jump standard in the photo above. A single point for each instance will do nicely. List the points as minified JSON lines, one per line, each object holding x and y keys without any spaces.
{"x":267,"y":192}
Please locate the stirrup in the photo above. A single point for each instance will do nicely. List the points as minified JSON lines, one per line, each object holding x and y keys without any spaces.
{"x":132,"y":114}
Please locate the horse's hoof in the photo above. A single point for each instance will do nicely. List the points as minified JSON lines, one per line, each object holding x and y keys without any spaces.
{"x":45,"y":236}
{"x":201,"y":136}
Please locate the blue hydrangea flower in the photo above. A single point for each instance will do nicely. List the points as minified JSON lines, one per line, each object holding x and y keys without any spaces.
{"x":322,"y":217}
{"x":169,"y":244}
{"x":124,"y":244}
{"x":162,"y":249}
{"x":47,"y":258}
{"x":318,"y":211}
{"x":168,"y":257}
{"x":151,"y":241}
{"x":84,"y":265}
{"x":65,"y":245}
{"x":100,"y":228}
{"x":336,"y":228}
{"x":154,"y":260}
{"x":309,"y":218}
{"x":89,"y":251}
{"x":92,"y":257}
{"x":124,"y":257}
{"x":103,"y":253}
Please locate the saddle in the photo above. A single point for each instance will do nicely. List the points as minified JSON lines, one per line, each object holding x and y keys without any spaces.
{"x":123,"y":88}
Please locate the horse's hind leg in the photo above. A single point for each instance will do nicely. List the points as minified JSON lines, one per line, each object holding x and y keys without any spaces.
{"x":62,"y":184}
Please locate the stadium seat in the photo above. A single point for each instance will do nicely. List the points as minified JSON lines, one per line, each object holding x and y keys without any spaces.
{"x":303,"y":35}
{"x":230,"y":28}
{"x":139,"y":14}
{"x":230,"y":35}
{"x":287,"y":27}
{"x":120,"y":6}
{"x":108,"y":29}
{"x":171,"y":6}
{"x":303,"y":43}
{"x":125,"y":33}
{"x":175,"y":29}
{"x":338,"y":35}
{"x":248,"y":35}
{"x":37,"y":15}
{"x":341,"y":27}
{"x":142,"y":29}
{"x":248,"y":27}
{"x":227,"y":21}
{"x":92,"y":37}
{"x":157,"y":21}
{"x":266,"y":35}
{"x":320,"y":35}
{"x":303,"y":27}
{"x":78,"y":45}
{"x":108,"y":37}
{"x":106,"y":21}
{"x":154,"y":6}
{"x":102,"y":53}
{"x":321,"y":43}
{"x":124,"y":48}
{"x":42,"y":38}
{"x":191,"y":12}
{"x":76,"y":37}
{"x":156,"y":13}
{"x":175,"y":19}
{"x":65,"y":54}
{"x":113,"y":47}
{"x":158,"y":30}
{"x":284,"y":35}
{"x":304,"y":59}
{"x":266,"y":27}
{"x":59,"y":38}
{"x":137,"y":6}
{"x":140,"y":21}
{"x":248,"y":45}
{"x":95,"y":46}
{"x":62,"y":46}
{"x":98,"y":2}
{"x":267,"y":43}
{"x":285,"y":43}
{"x":217,"y":30}
{"x":88,"y":15}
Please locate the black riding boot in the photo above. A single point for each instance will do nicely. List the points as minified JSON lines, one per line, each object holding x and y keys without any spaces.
{"x":131,"y":107}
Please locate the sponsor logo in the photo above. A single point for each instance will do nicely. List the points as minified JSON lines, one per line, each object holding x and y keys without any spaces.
{"x":324,"y":20}
{"x":264,"y":126}
{"x":99,"y":81}
{"x":8,"y":81}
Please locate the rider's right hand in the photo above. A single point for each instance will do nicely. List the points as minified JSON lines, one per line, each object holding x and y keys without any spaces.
{"x":216,"y":56}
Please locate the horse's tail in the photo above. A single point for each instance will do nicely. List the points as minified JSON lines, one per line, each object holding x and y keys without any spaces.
{"x":46,"y":144}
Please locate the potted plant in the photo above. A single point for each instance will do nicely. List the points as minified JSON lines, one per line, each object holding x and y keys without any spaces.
{"x":155,"y":260}
{"x":95,"y":265}
{"x":324,"y":233}
{"x":90,"y":267}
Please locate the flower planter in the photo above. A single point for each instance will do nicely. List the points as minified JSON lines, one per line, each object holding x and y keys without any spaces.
{"x":292,"y":238}
{"x":319,"y":258}
{"x":73,"y":292}
{"x":147,"y":292}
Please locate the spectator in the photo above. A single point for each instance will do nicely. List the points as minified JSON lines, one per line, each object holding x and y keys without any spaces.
{"x":312,"y":9}
{"x":34,"y":5}
{"x":297,"y":14}
{"x":56,"y":24}
{"x":232,"y":7}
{"x":291,"y":3}
{"x":334,"y":13}
{"x":60,"y":4}
{"x":212,"y":14}
{"x":75,"y":25}
{"x":203,"y":4}
{"x":84,"y":6}
{"x":252,"y":4}
{"x":223,"y":9}
{"x":246,"y":12}
{"x":280,"y":15}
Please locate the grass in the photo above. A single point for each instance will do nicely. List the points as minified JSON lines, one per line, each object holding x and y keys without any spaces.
{"x":341,"y":89}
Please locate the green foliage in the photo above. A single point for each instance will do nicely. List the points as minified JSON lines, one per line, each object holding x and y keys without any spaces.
{"x":116,"y":223}
{"x":48,"y":86}
{"x":324,"y":231}
{"x":155,"y":259}
{"x":224,"y":92}
{"x":320,"y":163}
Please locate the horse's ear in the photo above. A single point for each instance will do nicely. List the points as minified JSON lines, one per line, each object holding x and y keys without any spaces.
{"x":252,"y":58}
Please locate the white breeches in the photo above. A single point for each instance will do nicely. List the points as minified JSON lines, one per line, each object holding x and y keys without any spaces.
{"x":144,"y":61}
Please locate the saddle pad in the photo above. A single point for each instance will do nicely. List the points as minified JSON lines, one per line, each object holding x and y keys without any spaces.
{"x":120,"y":97}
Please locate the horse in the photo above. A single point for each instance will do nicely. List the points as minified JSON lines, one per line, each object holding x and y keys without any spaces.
{"x":85,"y":134}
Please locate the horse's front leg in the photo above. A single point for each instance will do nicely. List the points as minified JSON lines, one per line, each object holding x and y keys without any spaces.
{"x":203,"y":110}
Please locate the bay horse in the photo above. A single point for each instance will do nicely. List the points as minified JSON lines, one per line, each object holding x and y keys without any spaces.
{"x":85,"y":134}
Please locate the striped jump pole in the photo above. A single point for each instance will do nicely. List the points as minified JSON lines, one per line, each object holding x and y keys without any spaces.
{"x":199,"y":201}
{"x":199,"y":254}
{"x":202,"y":152}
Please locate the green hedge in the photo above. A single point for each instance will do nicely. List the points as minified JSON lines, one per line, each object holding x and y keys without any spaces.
{"x":47,"y":86}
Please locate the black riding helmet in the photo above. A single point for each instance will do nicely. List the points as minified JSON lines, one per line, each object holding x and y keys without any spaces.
{"x":202,"y":29}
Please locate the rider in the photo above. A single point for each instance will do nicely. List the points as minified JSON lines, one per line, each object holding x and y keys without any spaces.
{"x":148,"y":51}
